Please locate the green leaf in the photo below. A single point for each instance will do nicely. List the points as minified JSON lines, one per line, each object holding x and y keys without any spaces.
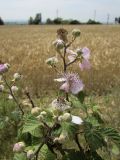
{"x":115,"y":150}
{"x":20,"y":156}
{"x":93,"y":137}
{"x":70,"y":128}
{"x":73,"y":155}
{"x":81,"y":96}
{"x":31,"y":123}
{"x":112,"y":134}
{"x":46,"y":154}
{"x":37,"y":132}
{"x":97,"y":116}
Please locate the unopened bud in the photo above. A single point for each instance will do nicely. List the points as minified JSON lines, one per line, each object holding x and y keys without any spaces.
{"x":76,"y":33}
{"x":1,"y":88}
{"x":14,"y":88}
{"x":59,"y":44}
{"x":67,"y":117}
{"x":17,"y":76}
{"x":35,"y":111}
{"x":4,"y":67}
{"x":19,"y":147}
{"x":30,"y":154}
{"x":43,"y":113}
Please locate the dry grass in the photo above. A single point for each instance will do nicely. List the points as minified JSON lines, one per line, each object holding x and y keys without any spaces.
{"x":27,"y":47}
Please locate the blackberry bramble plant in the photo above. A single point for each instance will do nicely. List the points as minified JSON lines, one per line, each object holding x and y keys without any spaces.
{"x":58,"y":131}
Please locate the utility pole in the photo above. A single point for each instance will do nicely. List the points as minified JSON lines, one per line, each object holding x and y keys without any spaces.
{"x":94,"y":18}
{"x":57,"y":13}
{"x":108,"y":18}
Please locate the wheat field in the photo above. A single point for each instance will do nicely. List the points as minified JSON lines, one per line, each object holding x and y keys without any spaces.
{"x":27,"y":47}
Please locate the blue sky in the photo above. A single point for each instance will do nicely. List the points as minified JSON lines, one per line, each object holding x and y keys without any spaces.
{"x":77,"y":9}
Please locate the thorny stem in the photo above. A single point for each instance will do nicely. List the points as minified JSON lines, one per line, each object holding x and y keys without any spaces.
{"x":38,"y":150}
{"x":71,"y":62}
{"x":30,"y":99}
{"x":77,"y":141}
{"x":12,"y":94}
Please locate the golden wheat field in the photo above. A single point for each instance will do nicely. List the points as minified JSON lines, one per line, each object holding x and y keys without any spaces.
{"x":27,"y":47}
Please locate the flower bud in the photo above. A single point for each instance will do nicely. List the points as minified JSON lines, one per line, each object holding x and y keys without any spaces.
{"x":43,"y":113}
{"x":14,"y":88}
{"x":35,"y":111}
{"x":40,"y":117}
{"x":79,"y":51}
{"x":19,"y":147}
{"x":30,"y":154}
{"x":60,"y":118}
{"x":76,"y":33}
{"x":59,"y":44}
{"x":17,"y":76}
{"x":52,"y":61}
{"x":62,"y":138}
{"x":10,"y":97}
{"x":4,"y":67}
{"x":2,"y":88}
{"x":67,"y":117}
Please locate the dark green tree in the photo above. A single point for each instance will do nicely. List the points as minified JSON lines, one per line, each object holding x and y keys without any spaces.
{"x":49,"y":21}
{"x":57,"y":21}
{"x":38,"y":18}
{"x":30,"y":21}
{"x":1,"y":21}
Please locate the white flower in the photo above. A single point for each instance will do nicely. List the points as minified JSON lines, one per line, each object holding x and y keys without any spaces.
{"x":77,"y":120}
{"x":60,"y":80}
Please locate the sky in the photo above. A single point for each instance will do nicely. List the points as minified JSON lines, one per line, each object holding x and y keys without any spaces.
{"x":12,"y":10}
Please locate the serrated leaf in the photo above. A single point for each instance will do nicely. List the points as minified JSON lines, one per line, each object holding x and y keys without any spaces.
{"x":46,"y":154}
{"x":69,"y":128}
{"x":30,"y":124}
{"x":93,"y":137}
{"x":112,"y":134}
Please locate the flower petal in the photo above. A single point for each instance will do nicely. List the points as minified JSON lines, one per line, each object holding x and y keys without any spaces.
{"x":77,"y":120}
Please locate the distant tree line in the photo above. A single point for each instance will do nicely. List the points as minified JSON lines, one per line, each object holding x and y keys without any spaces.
{"x":71,"y":21}
{"x":1,"y":21}
{"x":37,"y":20}
{"x":117,"y":20}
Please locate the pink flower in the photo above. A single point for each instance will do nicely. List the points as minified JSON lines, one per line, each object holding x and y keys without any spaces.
{"x":86,"y":53}
{"x":72,"y":83}
{"x":4,"y":68}
{"x":72,"y":55}
{"x":85,"y":65}
{"x":18,"y":147}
